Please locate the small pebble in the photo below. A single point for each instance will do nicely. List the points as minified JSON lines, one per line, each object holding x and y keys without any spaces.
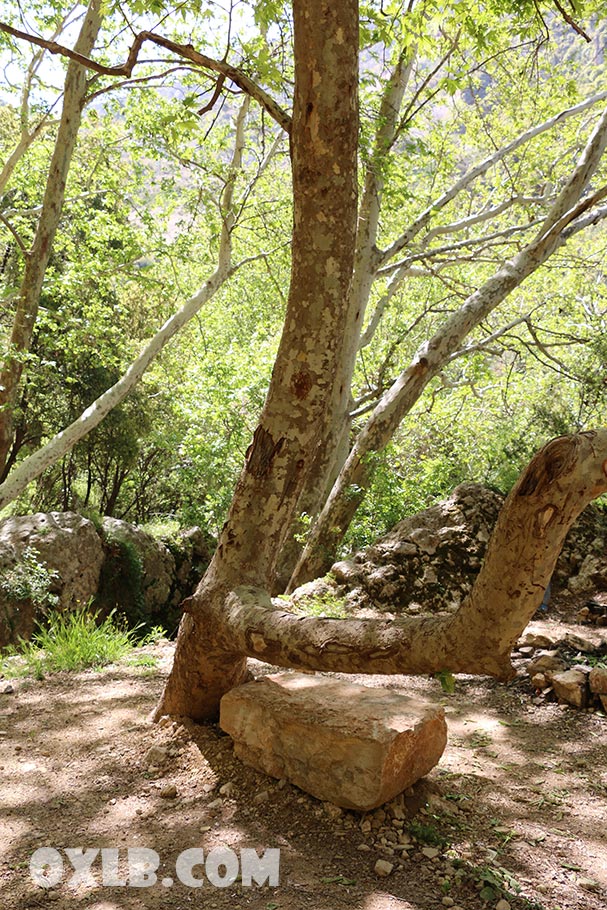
{"x":430,"y":852}
{"x":261,"y":797}
{"x":588,"y":884}
{"x":448,"y":901}
{"x":168,"y":792}
{"x":383,"y":868}
{"x":502,"y":905}
{"x":155,"y":755}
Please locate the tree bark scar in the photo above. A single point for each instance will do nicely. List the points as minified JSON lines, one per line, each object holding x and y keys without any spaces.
{"x":543,"y":519}
{"x":261,"y":453}
{"x":554,"y":460}
{"x":301,"y":384}
{"x":293,"y":479}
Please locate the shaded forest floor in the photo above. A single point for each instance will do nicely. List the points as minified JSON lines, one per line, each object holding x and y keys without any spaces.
{"x":516,"y":810}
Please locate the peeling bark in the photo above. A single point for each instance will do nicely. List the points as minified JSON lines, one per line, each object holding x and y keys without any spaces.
{"x":319,"y":325}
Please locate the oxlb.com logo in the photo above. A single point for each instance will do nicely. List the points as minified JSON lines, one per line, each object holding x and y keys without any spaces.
{"x":137,"y":867}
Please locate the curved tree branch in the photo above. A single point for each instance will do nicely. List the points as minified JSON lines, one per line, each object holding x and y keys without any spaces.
{"x":186,"y":51}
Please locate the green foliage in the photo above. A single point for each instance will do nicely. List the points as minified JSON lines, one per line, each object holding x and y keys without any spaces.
{"x":140,"y":233}
{"x":427,"y":833}
{"x":121,"y":585}
{"x":71,"y":641}
{"x":29,"y":580}
{"x":447,"y":681}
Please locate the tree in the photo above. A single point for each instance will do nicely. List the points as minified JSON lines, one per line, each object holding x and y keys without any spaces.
{"x":37,"y":257}
{"x":307,"y":414}
{"x":231,"y":616}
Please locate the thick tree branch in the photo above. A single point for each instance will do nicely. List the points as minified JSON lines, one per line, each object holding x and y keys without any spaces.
{"x":564,"y":476}
{"x":182,"y":50}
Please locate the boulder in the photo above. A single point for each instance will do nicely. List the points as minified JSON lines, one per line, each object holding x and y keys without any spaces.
{"x":598,"y":680}
{"x":571,"y":686}
{"x":192,"y":551}
{"x":546,"y":663}
{"x":351,"y":745}
{"x":428,"y":562}
{"x":59,"y":557}
{"x":138,"y":573}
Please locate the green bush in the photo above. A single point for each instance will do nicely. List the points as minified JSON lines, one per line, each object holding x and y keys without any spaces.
{"x":29,"y":579}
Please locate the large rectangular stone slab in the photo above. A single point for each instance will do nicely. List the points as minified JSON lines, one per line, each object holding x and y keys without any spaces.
{"x":351,"y":745}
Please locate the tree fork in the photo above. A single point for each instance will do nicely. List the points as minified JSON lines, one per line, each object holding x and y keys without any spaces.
{"x":562,"y":478}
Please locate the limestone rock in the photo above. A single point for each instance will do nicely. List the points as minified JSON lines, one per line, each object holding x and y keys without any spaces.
{"x":571,"y":686}
{"x":156,"y":755}
{"x":428,"y":562}
{"x":598,"y":680}
{"x":351,"y":745}
{"x":545,"y":663}
{"x":383,"y":868}
{"x":138,"y":572}
{"x":591,"y":574}
{"x":192,"y":551}
{"x":67,"y":545}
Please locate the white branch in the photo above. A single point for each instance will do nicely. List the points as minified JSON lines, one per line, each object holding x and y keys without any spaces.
{"x":422,"y":220}
{"x":32,"y":466}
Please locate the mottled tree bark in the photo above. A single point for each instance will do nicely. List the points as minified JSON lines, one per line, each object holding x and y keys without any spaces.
{"x":320,"y":323}
{"x":334,"y":447}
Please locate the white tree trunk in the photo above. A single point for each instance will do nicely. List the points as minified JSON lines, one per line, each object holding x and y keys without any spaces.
{"x":431,"y":357}
{"x":37,"y":258}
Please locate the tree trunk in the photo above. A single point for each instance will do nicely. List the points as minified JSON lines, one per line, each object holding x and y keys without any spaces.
{"x":559,"y":482}
{"x":317,"y":338}
{"x":37,"y":258}
{"x":349,"y":488}
{"x":334,"y":448}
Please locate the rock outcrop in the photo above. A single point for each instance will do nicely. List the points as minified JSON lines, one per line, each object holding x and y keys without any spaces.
{"x":62,"y":546}
{"x":429,"y":562}
{"x":354,"y":746}
{"x":138,"y":572}
{"x":60,"y":560}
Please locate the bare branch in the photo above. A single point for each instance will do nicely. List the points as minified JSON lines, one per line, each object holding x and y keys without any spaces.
{"x":182,"y":50}
{"x":424,"y":218}
{"x":18,"y":239}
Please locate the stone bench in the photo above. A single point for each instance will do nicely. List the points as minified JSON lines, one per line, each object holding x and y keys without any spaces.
{"x":351,"y":745}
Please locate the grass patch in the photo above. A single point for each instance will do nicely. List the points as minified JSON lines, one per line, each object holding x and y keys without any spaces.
{"x":72,"y":641}
{"x":425,"y":833}
{"x":327,"y":606}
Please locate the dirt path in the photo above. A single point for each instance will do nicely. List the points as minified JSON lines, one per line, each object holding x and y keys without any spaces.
{"x":518,"y":802}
